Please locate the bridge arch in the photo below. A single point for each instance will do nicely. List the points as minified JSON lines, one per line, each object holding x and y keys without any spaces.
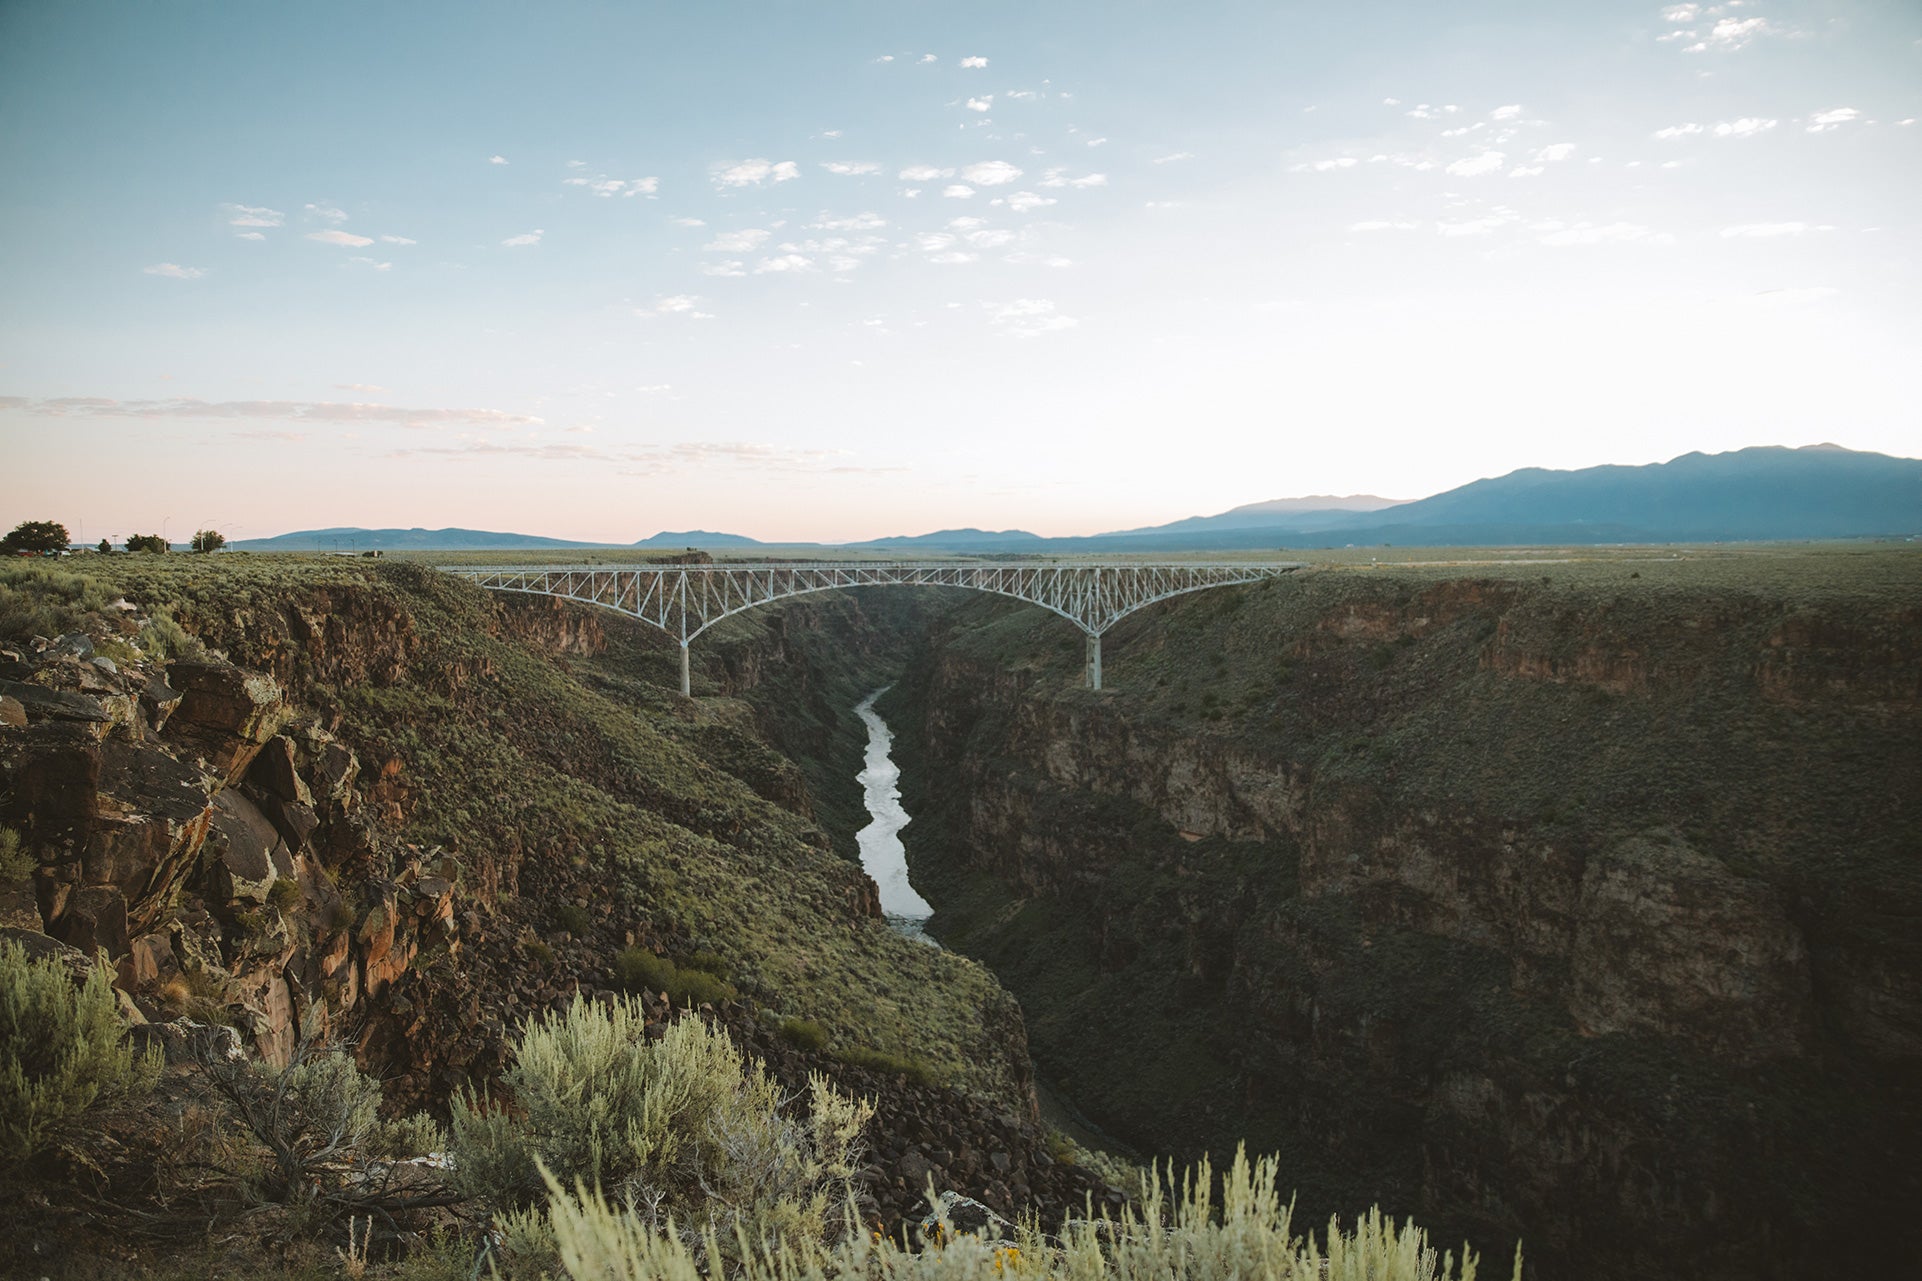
{"x":686,"y":600}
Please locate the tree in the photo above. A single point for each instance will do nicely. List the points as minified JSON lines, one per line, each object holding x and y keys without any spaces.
{"x":104,"y":547}
{"x":37,"y":537}
{"x":209,"y":540}
{"x":146,"y":543}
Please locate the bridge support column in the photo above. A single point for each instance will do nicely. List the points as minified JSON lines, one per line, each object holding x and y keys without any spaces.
{"x":1094,"y":660}
{"x":687,"y":685}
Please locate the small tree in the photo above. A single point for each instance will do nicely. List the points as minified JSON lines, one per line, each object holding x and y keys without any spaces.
{"x":104,"y":547}
{"x":37,"y":537}
{"x":146,"y":543}
{"x":209,"y":540}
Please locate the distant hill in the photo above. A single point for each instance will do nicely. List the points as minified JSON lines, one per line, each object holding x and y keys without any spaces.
{"x":348,"y":538}
{"x":698,"y":538}
{"x":968,"y":540}
{"x":1275,"y":512}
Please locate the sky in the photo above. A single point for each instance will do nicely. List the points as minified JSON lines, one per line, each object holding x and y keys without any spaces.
{"x":833,"y":271}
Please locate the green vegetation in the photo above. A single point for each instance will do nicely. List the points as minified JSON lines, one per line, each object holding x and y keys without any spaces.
{"x":874,"y":1060}
{"x":148,"y":543}
{"x":1186,"y":1235}
{"x":208,"y":540}
{"x":683,"y":1125}
{"x":639,"y":970}
{"x":16,"y":865}
{"x":62,"y":1062}
{"x":35,"y":538}
{"x":803,"y":1034}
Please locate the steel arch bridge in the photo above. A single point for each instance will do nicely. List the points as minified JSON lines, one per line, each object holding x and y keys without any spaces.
{"x":686,"y":600}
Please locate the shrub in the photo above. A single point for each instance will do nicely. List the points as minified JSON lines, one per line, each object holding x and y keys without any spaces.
{"x":881,"y":1061}
{"x":681,"y":1127}
{"x":1173,"y":1238}
{"x":803,"y":1034}
{"x":209,"y":540}
{"x":16,"y":865}
{"x":575,"y":920}
{"x":61,"y":1055}
{"x":639,"y":970}
{"x":147,"y":543}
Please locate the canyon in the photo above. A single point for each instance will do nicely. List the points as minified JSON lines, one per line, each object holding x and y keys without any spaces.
{"x":1570,"y":903}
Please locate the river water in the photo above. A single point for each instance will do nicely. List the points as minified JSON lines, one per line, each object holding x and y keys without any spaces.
{"x":882,"y":855}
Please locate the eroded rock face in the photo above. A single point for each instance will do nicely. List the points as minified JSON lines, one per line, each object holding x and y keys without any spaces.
{"x":1649,"y":1027}
{"x":226,"y":712}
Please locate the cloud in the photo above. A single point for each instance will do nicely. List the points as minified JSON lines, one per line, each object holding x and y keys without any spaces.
{"x":375,"y":263}
{"x":306,"y":411}
{"x":864,"y":221}
{"x":851,"y":167}
{"x":1834,"y":118}
{"x":1173,"y":156}
{"x":1473,"y":226}
{"x":928,"y":57}
{"x":687,"y":305}
{"x":497,"y":160}
{"x":1059,"y":178}
{"x":345,"y":239}
{"x":1586,"y":233}
{"x":1512,"y":111}
{"x":737,"y":242}
{"x":981,"y":103}
{"x":1023,"y":201}
{"x":1474,"y":166}
{"x":923,"y":173}
{"x":174,"y":271}
{"x":248,"y":235}
{"x":1679,"y":13}
{"x":974,"y":62}
{"x":397,"y":240}
{"x":755,"y":172}
{"x":1554,"y":152}
{"x":1382,"y":224}
{"x":1746,"y":127}
{"x":1766,"y":230}
{"x":1526,"y":171}
{"x":729,"y":268}
{"x":1678,"y":131}
{"x":688,"y":222}
{"x":991,"y":173}
{"x":1735,"y":33}
{"x":607,"y":187}
{"x":328,"y":212}
{"x":525,"y":238}
{"x":783,"y":264}
{"x":1329,"y":166}
{"x":957,"y":191}
{"x":253,"y":216}
{"x":1031,"y":317}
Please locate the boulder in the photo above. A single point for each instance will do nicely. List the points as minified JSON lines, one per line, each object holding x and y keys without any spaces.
{"x":96,"y":918}
{"x":185,"y":1041}
{"x":39,"y":703}
{"x":226,"y":711}
{"x":150,"y":815}
{"x":245,"y":852}
{"x":38,"y":947}
{"x":12,"y":712}
{"x":158,"y":700}
{"x":274,"y":773}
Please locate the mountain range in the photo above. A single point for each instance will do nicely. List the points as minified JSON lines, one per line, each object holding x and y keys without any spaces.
{"x":1755,"y":494}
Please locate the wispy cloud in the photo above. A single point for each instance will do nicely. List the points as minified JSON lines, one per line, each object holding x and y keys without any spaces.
{"x":1834,"y":118}
{"x":687,"y":306}
{"x":1770,"y":230}
{"x":757,"y":172}
{"x":1031,"y":317}
{"x":1174,"y":156}
{"x":174,"y":271}
{"x":991,"y":173}
{"x":957,"y":191}
{"x":306,"y":411}
{"x":863,"y":221}
{"x":983,"y":103}
{"x":497,"y":160}
{"x":923,"y":173}
{"x":1059,"y":178}
{"x":249,"y":235}
{"x":398,"y":240}
{"x":345,"y":239}
{"x":974,"y":62}
{"x":738,"y":242}
{"x":851,"y":168}
{"x":1475,"y":166}
{"x":253,"y":216}
{"x":1587,"y":233}
{"x":328,"y":213}
{"x":604,"y":186}
{"x":1024,"y":201}
{"x":375,"y":263}
{"x":525,"y":238}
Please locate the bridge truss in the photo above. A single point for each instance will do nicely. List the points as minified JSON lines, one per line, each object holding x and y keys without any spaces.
{"x":686,"y":600}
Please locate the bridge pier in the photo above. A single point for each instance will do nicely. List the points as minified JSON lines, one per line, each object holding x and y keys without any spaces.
{"x":1094,"y":660}
{"x":687,"y":685}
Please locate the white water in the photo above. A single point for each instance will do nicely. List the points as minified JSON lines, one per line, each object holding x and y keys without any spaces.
{"x":882,"y":855}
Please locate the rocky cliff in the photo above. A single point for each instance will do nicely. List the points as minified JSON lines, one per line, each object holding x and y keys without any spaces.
{"x":1580,"y":909}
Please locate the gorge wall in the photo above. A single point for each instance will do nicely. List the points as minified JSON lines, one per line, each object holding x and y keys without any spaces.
{"x":1575,"y":905}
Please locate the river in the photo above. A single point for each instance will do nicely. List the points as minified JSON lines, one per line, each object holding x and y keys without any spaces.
{"x":882,"y":855}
